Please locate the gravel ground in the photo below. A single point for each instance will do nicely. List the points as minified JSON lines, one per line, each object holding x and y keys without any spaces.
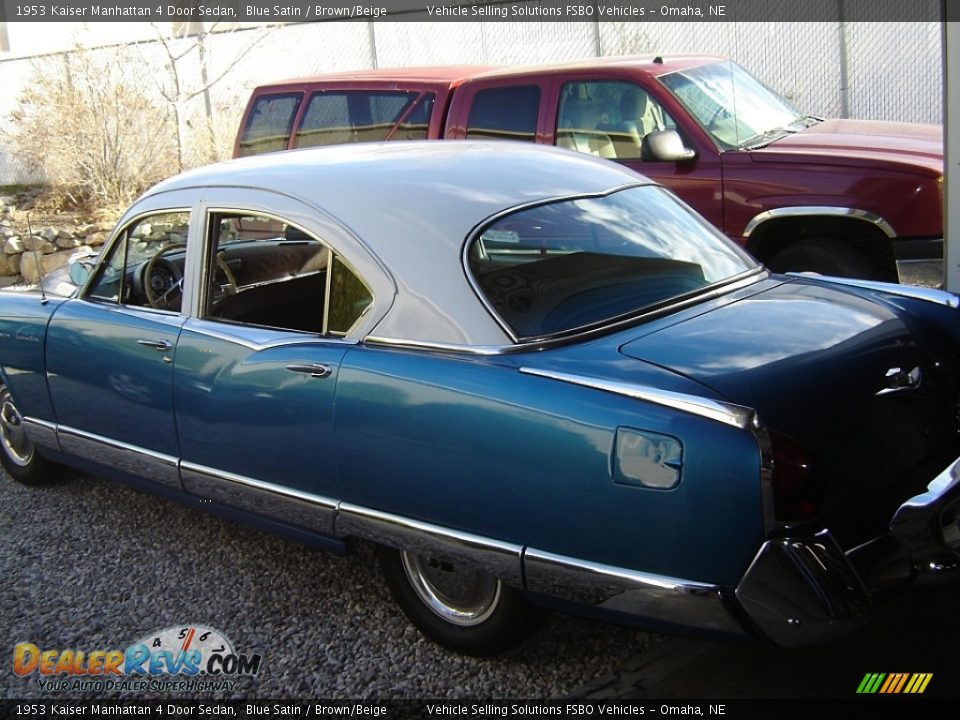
{"x":88,"y":564}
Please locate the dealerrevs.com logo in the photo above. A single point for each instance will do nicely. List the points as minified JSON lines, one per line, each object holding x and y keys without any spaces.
{"x":184,"y":657}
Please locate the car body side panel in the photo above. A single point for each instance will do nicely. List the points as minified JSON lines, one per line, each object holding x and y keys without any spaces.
{"x":477,"y":445}
{"x":23,"y":327}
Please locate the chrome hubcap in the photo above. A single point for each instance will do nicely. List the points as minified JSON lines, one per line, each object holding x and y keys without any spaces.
{"x":459,"y":595}
{"x":13,"y":437}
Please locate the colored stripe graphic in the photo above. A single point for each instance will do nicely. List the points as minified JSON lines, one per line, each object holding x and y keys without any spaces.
{"x":894,"y":683}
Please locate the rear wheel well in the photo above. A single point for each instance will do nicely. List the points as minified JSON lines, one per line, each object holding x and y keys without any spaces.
{"x":869,"y":242}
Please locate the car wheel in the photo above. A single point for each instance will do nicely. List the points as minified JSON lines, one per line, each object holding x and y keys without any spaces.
{"x":18,"y":454}
{"x":457,"y":606}
{"x":827,"y":257}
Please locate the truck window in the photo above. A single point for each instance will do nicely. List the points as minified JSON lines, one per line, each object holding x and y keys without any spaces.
{"x":416,"y":124}
{"x":505,"y":113}
{"x":608,"y":119}
{"x":268,"y":126}
{"x":352,"y":116}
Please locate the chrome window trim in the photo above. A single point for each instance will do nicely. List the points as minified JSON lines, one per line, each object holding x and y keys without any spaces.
{"x":210,"y":210}
{"x":932,"y":295}
{"x":577,"y":335}
{"x":819,"y":211}
{"x":496,"y":557}
{"x":737,"y":416}
{"x":194,"y":326}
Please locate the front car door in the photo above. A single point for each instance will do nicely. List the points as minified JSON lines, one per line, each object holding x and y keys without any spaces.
{"x":111,"y":351}
{"x":257,"y":366}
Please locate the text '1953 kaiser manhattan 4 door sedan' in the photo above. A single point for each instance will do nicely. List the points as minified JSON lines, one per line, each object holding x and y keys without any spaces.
{"x":530,"y":377}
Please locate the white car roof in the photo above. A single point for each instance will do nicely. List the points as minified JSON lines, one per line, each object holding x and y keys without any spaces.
{"x":413,"y":205}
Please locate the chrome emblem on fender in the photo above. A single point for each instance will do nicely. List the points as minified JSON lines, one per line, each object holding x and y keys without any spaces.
{"x":898,"y":380}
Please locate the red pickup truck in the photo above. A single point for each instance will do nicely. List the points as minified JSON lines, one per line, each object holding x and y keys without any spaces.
{"x":842,"y":197}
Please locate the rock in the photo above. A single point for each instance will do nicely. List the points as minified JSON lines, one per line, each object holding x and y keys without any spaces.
{"x":65,"y":242}
{"x":13,"y":246}
{"x":33,"y":265}
{"x":84,"y":230}
{"x":96,"y":238}
{"x":9,"y":265}
{"x":8,"y":201}
{"x":49,"y":234}
{"x":33,"y":243}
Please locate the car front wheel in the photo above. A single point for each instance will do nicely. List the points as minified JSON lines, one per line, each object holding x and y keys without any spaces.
{"x":458,"y":606}
{"x":18,"y":454}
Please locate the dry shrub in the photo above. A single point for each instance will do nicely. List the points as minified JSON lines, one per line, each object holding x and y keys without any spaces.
{"x":87,"y":125}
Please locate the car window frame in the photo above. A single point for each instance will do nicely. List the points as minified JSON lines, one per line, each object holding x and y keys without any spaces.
{"x":119,"y":235}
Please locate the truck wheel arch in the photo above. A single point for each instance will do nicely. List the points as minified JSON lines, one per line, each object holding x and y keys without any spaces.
{"x":861,"y":237}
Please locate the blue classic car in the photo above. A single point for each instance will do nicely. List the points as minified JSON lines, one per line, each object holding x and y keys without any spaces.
{"x":532,"y":378}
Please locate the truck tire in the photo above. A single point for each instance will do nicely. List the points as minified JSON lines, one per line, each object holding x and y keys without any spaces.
{"x":827,"y":257}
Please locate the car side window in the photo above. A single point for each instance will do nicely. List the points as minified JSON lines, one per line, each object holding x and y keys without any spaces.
{"x":268,"y":127}
{"x":608,"y":119}
{"x":416,"y":124}
{"x":505,"y":113}
{"x":265,"y":272}
{"x":145,"y":266}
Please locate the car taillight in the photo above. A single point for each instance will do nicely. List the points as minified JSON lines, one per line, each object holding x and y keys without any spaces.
{"x":796,"y":487}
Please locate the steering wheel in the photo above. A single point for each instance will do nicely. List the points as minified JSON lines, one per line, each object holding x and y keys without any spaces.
{"x":168,"y":292}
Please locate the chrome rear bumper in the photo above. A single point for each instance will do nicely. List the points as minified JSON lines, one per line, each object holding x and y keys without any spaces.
{"x":807,"y":590}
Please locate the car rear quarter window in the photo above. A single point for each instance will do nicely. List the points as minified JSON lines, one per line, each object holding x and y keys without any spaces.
{"x":332,"y":118}
{"x":505,"y":113}
{"x":582,"y":263}
{"x":269,"y":124}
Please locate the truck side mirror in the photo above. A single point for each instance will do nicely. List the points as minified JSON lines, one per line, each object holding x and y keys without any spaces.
{"x":665,"y":146}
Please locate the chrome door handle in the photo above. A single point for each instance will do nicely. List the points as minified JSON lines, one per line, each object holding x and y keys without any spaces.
{"x":312,"y":369}
{"x":158,"y":345}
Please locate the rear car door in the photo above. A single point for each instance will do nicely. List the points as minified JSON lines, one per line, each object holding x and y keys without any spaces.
{"x":257,"y":368}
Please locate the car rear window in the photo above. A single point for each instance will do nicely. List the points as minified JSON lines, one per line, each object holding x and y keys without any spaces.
{"x":269,"y":124}
{"x":580,"y":263}
{"x":350,"y":116}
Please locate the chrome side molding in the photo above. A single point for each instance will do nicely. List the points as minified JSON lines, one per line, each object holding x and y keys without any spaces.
{"x":495,"y":557}
{"x":42,"y":433}
{"x":655,"y":597}
{"x":736,"y":415}
{"x":158,"y":467}
{"x":279,"y":503}
{"x":932,"y":295}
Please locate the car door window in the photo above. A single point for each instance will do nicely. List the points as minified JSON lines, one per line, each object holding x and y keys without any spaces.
{"x":505,"y":113}
{"x":145,"y":266}
{"x":608,"y":119}
{"x":265,"y":272}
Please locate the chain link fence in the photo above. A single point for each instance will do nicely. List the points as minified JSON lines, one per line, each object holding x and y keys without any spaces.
{"x":875,"y":70}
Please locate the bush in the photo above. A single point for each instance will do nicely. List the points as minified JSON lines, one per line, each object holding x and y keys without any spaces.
{"x":87,"y":126}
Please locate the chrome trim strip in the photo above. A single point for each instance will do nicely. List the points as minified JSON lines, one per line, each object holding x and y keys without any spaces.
{"x":280,"y":503}
{"x":441,"y":347}
{"x":745,"y":280}
{"x":736,"y":415}
{"x":819,"y":210}
{"x":646,"y":595}
{"x":194,"y":326}
{"x":500,"y":559}
{"x":148,"y":464}
{"x":41,"y":432}
{"x":938,"y":297}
